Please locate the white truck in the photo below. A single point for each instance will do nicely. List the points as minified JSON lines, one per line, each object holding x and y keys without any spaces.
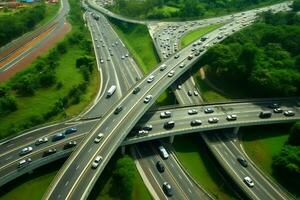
{"x":111,"y":91}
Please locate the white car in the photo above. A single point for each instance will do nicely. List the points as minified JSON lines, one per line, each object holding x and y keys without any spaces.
{"x":123,"y":57}
{"x":231,"y":117}
{"x":213,"y":120}
{"x":182,"y":65}
{"x":150,"y":79}
{"x":96,"y":162}
{"x":98,"y":138}
{"x":248,"y":181}
{"x":148,"y":98}
{"x":192,"y":112}
{"x":41,"y":141}
{"x":142,"y":132}
{"x":26,"y":150}
{"x":165,"y":114}
{"x":171,"y":73}
{"x":24,"y":162}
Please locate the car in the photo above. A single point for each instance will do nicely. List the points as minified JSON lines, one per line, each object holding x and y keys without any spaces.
{"x":169,"y":125}
{"x":150,"y":79}
{"x":97,"y":161}
{"x":182,"y":65}
{"x":289,"y":113}
{"x":190,"y":93}
{"x":70,"y":130}
{"x":203,"y":39}
{"x":274,"y":105}
{"x":41,"y":141}
{"x":167,"y":189}
{"x":122,"y":57}
{"x":24,"y":162}
{"x":242,"y":161}
{"x":58,"y":136}
{"x":176,"y":56}
{"x":277,"y":110}
{"x":136,"y":90}
{"x":196,"y":93}
{"x":98,"y":137}
{"x":265,"y":114}
{"x":101,"y":61}
{"x":190,"y":57}
{"x":163,"y":67}
{"x":171,"y":73}
{"x":147,"y":127}
{"x":192,"y":112}
{"x":197,"y":53}
{"x":142,"y":132}
{"x":248,"y":181}
{"x":231,"y":117}
{"x":196,"y":122}
{"x":126,"y":55}
{"x":201,"y":50}
{"x":98,"y":46}
{"x":208,"y":110}
{"x":148,"y":98}
{"x":49,"y":152}
{"x":165,"y":114}
{"x":160,"y":166}
{"x":25,"y":151}
{"x":118,"y":110}
{"x":213,"y":120}
{"x":179,"y":87}
{"x":70,"y":144}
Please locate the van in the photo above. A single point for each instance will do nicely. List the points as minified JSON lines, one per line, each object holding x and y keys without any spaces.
{"x":265,"y":114}
{"x":111,"y":91}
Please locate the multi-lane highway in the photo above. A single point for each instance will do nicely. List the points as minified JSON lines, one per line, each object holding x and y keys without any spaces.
{"x":107,"y":125}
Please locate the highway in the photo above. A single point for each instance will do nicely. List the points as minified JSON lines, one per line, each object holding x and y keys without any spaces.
{"x":81,"y":178}
{"x":13,"y":53}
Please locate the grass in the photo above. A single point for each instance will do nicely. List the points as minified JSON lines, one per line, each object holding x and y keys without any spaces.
{"x":207,"y":92}
{"x":196,"y":34}
{"x":193,"y":156}
{"x":262,"y":143}
{"x":139,"y":42}
{"x":44,"y":99}
{"x":51,"y":11}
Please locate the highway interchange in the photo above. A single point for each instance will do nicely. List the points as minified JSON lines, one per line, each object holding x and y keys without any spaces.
{"x":105,"y":113}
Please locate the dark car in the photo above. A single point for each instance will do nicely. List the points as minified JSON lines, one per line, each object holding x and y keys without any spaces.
{"x":49,"y":152}
{"x":147,"y":127}
{"x":160,"y":166}
{"x":70,"y":130}
{"x":136,"y":90}
{"x":265,"y":114}
{"x":190,"y":93}
{"x":196,"y":122}
{"x":167,"y":189}
{"x":274,"y":105}
{"x":169,"y":125}
{"x":118,"y":110}
{"x":242,"y":161}
{"x":57,"y":137}
{"x":70,"y":144}
{"x":208,"y":110}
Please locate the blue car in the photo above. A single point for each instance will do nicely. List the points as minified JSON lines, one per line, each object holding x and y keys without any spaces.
{"x":70,"y":130}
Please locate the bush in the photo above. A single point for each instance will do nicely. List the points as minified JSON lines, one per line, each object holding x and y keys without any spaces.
{"x":294,"y":138}
{"x":7,"y":104}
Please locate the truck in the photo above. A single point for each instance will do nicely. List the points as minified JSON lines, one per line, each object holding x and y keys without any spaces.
{"x":111,"y":91}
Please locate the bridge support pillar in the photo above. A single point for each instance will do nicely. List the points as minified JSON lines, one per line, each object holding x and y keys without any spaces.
{"x":171,"y":139}
{"x":122,"y":150}
{"x":236,"y":130}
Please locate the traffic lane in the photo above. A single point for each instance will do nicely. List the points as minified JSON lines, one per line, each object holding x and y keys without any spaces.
{"x":273,"y":189}
{"x":39,"y":155}
{"x":261,"y":189}
{"x":10,"y":153}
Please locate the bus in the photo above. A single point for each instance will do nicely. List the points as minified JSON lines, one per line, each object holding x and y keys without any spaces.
{"x":111,"y":91}
{"x":163,"y":152}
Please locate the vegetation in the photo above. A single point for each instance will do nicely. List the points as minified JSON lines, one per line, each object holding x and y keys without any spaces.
{"x":20,"y":22}
{"x":286,"y":164}
{"x":139,"y":42}
{"x":193,"y":35}
{"x":157,"y":9}
{"x":193,"y":155}
{"x":54,"y":85}
{"x":264,"y":57}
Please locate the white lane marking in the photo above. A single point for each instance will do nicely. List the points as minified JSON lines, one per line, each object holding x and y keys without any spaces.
{"x":66,"y":183}
{"x":179,"y":176}
{"x":172,"y":165}
{"x":58,"y":196}
{"x":29,"y":138}
{"x":189,"y":190}
{"x":10,"y":145}
{"x":8,"y":158}
{"x":77,"y":167}
{"x":89,"y":150}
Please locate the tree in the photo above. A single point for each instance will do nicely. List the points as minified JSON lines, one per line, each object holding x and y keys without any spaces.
{"x":296,"y":5}
{"x":294,"y":138}
{"x":124,"y":176}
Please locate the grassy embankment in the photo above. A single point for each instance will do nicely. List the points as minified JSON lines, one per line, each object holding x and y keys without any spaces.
{"x":140,"y":45}
{"x":193,"y":156}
